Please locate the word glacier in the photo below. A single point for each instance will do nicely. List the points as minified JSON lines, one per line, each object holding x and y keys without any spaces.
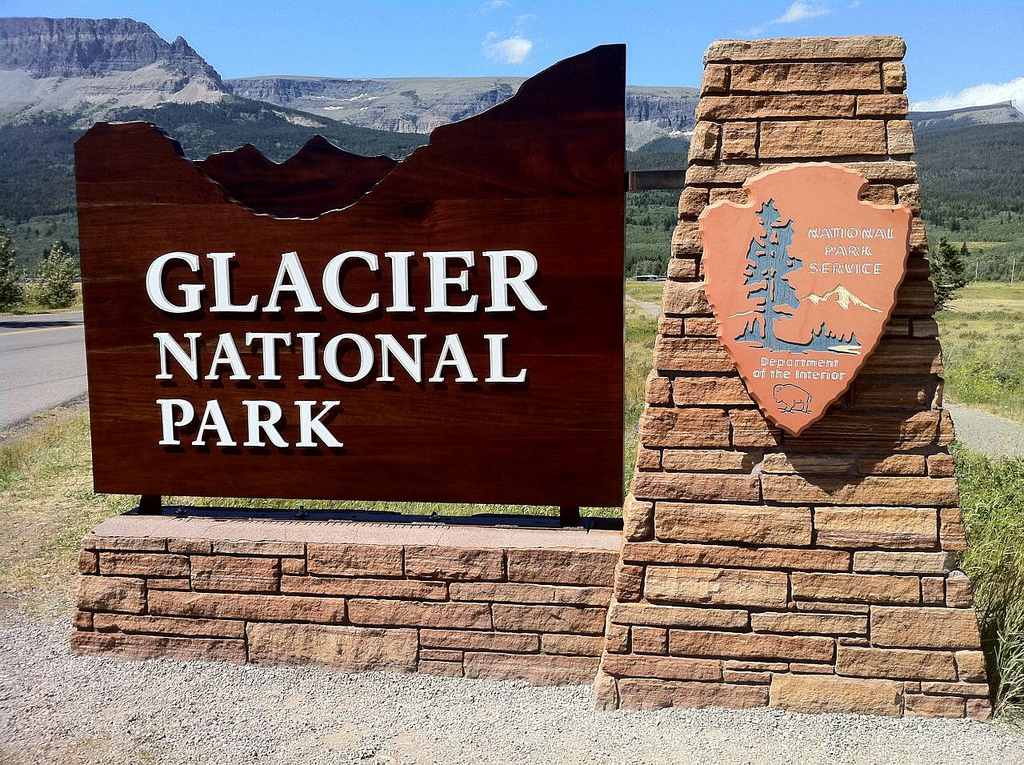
{"x":291,"y":279}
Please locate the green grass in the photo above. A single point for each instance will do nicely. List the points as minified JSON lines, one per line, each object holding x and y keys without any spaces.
{"x":46,"y":506}
{"x":992,"y":499}
{"x":645,"y":292}
{"x":982,"y":333}
{"x":24,"y":309}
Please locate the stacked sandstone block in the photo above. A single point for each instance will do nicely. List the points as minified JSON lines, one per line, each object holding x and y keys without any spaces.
{"x":814,"y":573}
{"x":531,"y":613}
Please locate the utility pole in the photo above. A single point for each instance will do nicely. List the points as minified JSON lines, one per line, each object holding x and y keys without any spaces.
{"x":976,"y":264}
{"x":1013,"y":268}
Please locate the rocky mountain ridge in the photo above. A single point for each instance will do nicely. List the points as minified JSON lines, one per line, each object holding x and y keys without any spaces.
{"x":402,"y":105}
{"x":420,"y":104}
{"x":1000,"y":113}
{"x":92,"y":66}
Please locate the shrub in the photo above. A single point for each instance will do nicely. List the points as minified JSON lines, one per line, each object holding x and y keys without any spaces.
{"x":992,"y":499}
{"x":55,"y":280}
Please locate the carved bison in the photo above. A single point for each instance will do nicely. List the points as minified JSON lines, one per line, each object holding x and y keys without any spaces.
{"x":792,"y":397}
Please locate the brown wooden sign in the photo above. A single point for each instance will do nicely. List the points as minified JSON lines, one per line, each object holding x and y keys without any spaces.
{"x":802,"y":279}
{"x":445,"y":328}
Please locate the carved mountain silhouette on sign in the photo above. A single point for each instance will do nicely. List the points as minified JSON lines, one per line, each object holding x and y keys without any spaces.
{"x":317,"y":178}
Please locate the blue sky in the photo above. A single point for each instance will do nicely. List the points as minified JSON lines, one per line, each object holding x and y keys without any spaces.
{"x":958,"y":53}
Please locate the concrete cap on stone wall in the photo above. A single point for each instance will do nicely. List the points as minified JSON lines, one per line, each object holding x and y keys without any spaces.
{"x":353,"y":532}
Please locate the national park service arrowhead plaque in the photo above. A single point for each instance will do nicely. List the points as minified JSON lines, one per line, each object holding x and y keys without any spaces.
{"x":802,"y":279}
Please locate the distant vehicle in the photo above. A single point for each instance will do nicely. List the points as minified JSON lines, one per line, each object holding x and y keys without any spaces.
{"x":648,"y":278}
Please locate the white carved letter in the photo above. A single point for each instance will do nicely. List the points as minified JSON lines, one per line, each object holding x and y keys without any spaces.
{"x":308,"y":355}
{"x":308,"y":425}
{"x":332,"y":282}
{"x":227,"y":353}
{"x":440,"y":281}
{"x":496,"y":345}
{"x":222,"y":285}
{"x":188,"y":361}
{"x":267,"y":426}
{"x":399,"y":281}
{"x":501,"y":281}
{"x":331,"y":358}
{"x":411,"y":363}
{"x":213,"y":419}
{"x":291,"y":278}
{"x":155,"y":283}
{"x":167,"y":407}
{"x":452,"y":354}
{"x":268,"y":346}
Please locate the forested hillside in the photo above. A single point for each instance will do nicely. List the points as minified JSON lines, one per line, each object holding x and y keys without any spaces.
{"x":651,"y":215}
{"x":972,"y":178}
{"x":973,"y":181}
{"x":37,"y":189}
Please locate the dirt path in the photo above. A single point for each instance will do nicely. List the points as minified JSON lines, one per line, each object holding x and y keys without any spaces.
{"x":650,"y":309}
{"x":987,"y":433}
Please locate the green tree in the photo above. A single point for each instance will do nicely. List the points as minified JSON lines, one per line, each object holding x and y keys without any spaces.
{"x":647,"y":267}
{"x":55,"y":279}
{"x":949,"y":273}
{"x":11,"y":291}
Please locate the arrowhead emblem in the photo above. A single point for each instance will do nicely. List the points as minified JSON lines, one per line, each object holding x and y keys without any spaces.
{"x":802,"y":279}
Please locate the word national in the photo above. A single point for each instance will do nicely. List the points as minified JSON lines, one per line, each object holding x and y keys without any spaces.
{"x":377,"y":356}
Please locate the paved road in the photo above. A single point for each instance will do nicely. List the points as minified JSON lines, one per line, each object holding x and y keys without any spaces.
{"x":42,"y":364}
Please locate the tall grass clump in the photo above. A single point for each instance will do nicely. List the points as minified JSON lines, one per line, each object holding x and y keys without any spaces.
{"x":992,"y":500}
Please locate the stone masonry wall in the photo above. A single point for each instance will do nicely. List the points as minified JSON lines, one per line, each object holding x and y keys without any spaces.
{"x":193,"y":589}
{"x":814,"y":573}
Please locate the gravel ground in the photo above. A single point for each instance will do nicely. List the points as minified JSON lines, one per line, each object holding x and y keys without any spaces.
{"x":58,"y":708}
{"x":987,"y":433}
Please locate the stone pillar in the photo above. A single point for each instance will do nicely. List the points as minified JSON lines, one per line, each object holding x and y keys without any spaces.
{"x":816,"y":572}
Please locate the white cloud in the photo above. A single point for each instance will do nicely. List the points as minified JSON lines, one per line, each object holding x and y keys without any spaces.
{"x":523,"y":19}
{"x":976,"y":95}
{"x":511,"y":50}
{"x":802,"y":10}
{"x":493,"y":5}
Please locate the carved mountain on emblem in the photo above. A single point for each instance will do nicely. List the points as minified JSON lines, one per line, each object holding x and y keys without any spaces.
{"x":843,"y":298}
